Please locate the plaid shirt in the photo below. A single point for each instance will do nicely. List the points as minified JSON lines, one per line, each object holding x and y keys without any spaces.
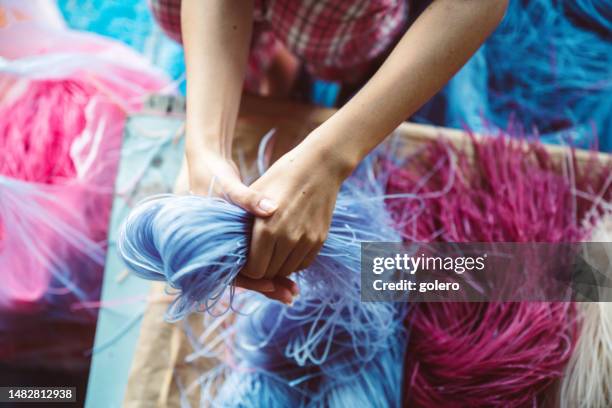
{"x":334,"y":38}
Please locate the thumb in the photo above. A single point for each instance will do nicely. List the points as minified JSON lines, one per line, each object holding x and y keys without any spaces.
{"x":251,"y":200}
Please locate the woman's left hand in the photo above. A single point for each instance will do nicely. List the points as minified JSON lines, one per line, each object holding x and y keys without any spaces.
{"x":304,"y":183}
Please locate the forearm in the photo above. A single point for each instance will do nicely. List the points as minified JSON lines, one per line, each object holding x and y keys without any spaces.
{"x":216,"y":37}
{"x":439,"y":42}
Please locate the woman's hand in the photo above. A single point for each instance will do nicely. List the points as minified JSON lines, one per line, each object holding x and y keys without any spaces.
{"x":212,"y":173}
{"x":305,"y":183}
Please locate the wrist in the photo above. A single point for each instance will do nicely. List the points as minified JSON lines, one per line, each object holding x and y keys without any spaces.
{"x":200,"y":161}
{"x":198,"y":146}
{"x":339,"y":158}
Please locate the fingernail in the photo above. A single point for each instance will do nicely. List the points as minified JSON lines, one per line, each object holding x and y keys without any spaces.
{"x":295,"y":289}
{"x":267,"y":205}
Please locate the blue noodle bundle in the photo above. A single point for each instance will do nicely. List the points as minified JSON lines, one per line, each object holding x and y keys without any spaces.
{"x":329,"y":348}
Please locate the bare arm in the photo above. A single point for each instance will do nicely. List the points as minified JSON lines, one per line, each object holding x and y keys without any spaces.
{"x":216,"y":36}
{"x":435,"y":47}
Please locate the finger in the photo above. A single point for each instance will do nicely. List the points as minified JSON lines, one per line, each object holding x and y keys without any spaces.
{"x":282,"y":294}
{"x":260,"y":252}
{"x":259,"y":285}
{"x":295,"y":259}
{"x":310,"y":258}
{"x":280,"y":291}
{"x":287,"y":283}
{"x":286,"y":291}
{"x":250,"y":200}
{"x":282,"y":250}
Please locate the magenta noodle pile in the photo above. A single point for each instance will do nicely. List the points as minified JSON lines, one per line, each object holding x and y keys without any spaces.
{"x":492,"y":354}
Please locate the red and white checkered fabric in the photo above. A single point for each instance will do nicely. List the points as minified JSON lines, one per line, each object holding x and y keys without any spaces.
{"x":334,"y":38}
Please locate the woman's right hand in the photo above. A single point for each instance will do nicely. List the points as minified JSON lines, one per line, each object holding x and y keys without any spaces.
{"x":213,"y":173}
